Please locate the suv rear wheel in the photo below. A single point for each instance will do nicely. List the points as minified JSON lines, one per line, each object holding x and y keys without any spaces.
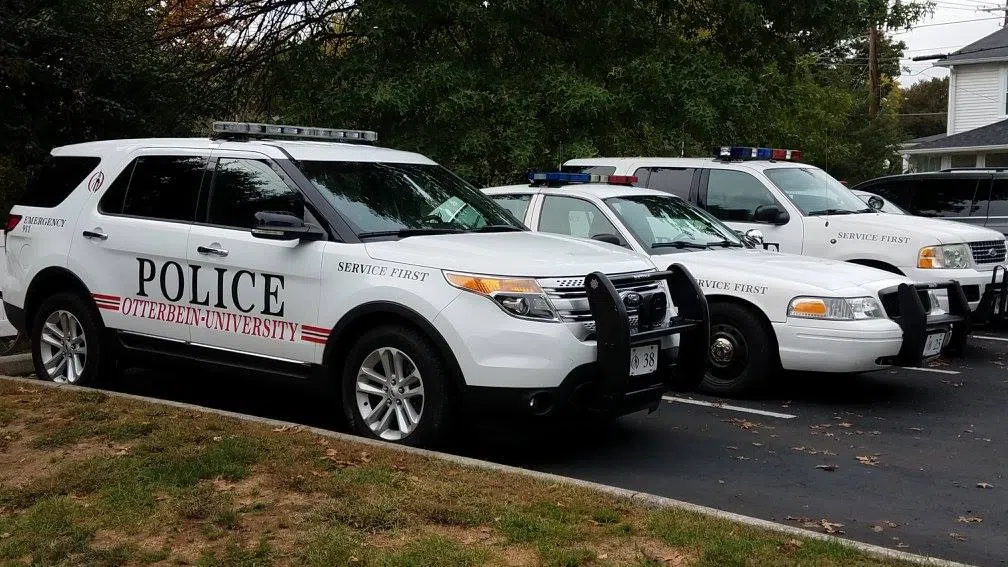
{"x":66,"y":341}
{"x":395,"y":387}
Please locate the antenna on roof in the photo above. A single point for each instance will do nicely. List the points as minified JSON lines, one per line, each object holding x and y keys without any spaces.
{"x":253,"y":131}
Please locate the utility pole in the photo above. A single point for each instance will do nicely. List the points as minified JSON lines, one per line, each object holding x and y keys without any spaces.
{"x":874,"y":90}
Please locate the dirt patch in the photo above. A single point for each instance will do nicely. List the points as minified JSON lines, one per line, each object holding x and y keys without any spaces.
{"x":21,"y":464}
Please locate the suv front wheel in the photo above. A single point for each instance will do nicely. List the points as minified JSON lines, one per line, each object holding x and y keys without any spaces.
{"x":66,"y":341}
{"x":395,"y":387}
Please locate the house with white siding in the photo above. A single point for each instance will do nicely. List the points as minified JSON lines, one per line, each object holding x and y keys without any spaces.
{"x":977,"y":131}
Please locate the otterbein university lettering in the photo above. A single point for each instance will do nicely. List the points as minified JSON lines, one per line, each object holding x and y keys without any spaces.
{"x":243,"y":290}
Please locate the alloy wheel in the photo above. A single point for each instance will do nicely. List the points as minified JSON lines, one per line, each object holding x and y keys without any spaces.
{"x":390,"y":393}
{"x":63,"y":347}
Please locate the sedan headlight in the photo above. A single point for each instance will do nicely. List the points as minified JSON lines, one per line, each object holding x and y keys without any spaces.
{"x":836,"y":308}
{"x":518,"y":297}
{"x":953,"y":256}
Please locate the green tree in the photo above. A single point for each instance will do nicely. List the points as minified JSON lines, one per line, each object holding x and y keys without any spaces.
{"x":924,"y":108}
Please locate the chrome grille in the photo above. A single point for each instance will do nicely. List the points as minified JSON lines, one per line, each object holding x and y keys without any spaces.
{"x":570,"y":299}
{"x":988,"y":251}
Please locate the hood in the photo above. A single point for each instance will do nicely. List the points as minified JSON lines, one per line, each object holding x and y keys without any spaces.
{"x":945,"y":231}
{"x":526,"y":254}
{"x":799,"y":272}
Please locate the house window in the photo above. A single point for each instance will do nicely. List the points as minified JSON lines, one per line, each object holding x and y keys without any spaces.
{"x":996,"y":160}
{"x":922,"y":163}
{"x":963,"y":160}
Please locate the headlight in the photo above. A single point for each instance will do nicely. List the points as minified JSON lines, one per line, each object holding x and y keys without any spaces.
{"x":518,"y":297}
{"x":954,"y":256}
{"x":836,"y":308}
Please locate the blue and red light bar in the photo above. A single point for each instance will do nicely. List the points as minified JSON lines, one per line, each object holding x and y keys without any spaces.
{"x":564,"y":178}
{"x":741,"y":153}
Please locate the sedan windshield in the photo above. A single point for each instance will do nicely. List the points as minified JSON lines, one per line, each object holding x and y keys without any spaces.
{"x":388,"y":199}
{"x":665,"y":223}
{"x":815,"y":192}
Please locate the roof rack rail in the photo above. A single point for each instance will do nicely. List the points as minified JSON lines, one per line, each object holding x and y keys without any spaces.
{"x":951,"y":169}
{"x":254,"y":131}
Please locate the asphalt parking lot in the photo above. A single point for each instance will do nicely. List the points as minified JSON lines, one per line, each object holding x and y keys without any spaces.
{"x":909,"y":459}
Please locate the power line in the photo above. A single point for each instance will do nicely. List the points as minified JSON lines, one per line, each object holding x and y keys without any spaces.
{"x":946,"y":24}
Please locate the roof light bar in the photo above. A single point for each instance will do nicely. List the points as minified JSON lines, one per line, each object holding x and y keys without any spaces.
{"x":253,"y":130}
{"x":564,"y":178}
{"x":741,"y":153}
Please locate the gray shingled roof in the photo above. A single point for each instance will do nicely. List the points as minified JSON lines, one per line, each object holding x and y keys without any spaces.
{"x":992,"y":47}
{"x":995,"y":134}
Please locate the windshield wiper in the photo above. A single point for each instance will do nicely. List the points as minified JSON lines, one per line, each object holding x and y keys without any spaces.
{"x":405,"y":232}
{"x":727,"y":244}
{"x":679,"y":244}
{"x":832,"y":212}
{"x":498,"y":228}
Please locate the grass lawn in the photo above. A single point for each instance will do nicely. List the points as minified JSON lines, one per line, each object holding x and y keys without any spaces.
{"x":89,"y":479}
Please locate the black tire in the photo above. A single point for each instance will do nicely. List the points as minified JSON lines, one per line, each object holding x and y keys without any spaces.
{"x":438,"y":407}
{"x":98,"y":357}
{"x":753,"y":356}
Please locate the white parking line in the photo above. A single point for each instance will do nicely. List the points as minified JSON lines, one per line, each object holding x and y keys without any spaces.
{"x":935,"y":370}
{"x":727,"y":407}
{"x":986,"y":338}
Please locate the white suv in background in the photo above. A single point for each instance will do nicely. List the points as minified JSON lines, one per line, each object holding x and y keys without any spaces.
{"x":768,"y":310}
{"x":374,"y":268}
{"x":799,"y":208}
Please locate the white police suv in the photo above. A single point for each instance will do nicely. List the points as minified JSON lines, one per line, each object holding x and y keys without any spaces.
{"x":257,"y":249}
{"x":800,"y":209}
{"x":768,"y":310}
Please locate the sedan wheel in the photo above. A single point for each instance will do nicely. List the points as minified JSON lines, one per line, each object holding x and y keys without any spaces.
{"x":390,"y":393}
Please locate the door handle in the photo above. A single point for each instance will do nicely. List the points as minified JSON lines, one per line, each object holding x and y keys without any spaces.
{"x":95,"y":234}
{"x":208,"y":251}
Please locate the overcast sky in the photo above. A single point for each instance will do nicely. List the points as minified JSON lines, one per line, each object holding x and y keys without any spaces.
{"x":937,"y":34}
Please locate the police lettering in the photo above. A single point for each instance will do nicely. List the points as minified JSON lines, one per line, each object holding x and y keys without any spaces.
{"x":733,"y":286}
{"x":171,"y":279}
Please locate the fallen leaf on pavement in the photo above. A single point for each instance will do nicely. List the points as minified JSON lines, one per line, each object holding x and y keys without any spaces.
{"x":877,"y":528}
{"x":831,"y":527}
{"x":892,"y":524}
{"x":957,"y":537}
{"x":969,"y":519}
{"x":797,"y":448}
{"x":901,"y":546}
{"x":984,"y":485}
{"x":844,"y":424}
{"x":827,"y":468}
{"x":868,"y":460}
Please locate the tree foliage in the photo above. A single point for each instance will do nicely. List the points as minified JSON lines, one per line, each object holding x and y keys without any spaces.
{"x":924,"y":108}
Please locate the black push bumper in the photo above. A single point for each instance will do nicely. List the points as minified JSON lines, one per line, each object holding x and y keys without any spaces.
{"x":615,"y":339}
{"x":993,"y":307}
{"x":918,"y":327}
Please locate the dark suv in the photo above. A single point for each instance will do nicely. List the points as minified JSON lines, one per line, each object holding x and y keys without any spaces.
{"x":975,"y":196}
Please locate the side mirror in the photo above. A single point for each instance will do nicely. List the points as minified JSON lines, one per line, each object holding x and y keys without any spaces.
{"x":284,"y":226}
{"x":755,"y":235}
{"x":610,"y":238}
{"x":770,"y":214}
{"x":876,"y":202}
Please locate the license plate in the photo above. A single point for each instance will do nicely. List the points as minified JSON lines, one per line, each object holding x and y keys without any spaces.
{"x":643,"y":360}
{"x":934,"y":343}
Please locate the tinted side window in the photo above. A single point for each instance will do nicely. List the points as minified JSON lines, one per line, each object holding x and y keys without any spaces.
{"x":160,"y":187}
{"x":54,"y":179}
{"x":517,"y":205}
{"x":112,"y":201}
{"x":590,"y":169}
{"x":999,"y":199}
{"x":895,"y":190}
{"x":674,"y":180}
{"x":944,"y":197}
{"x":244,"y":187}
{"x":735,"y":195}
{"x":573,"y":217}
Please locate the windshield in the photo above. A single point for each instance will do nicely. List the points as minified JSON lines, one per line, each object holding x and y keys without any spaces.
{"x":391,"y":197}
{"x":815,"y":192}
{"x":659,"y":222}
{"x":887,"y":207}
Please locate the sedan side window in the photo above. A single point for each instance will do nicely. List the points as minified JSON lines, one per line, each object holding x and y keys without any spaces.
{"x":736,"y":195}
{"x":517,"y":205}
{"x":574,"y":217}
{"x":674,"y":180}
